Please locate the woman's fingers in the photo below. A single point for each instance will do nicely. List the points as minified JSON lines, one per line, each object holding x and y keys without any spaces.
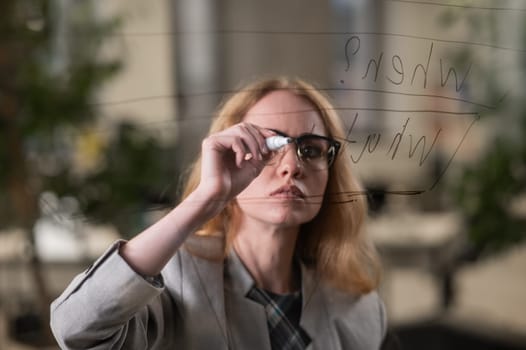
{"x":240,"y":150}
{"x":246,"y":141}
{"x":232,"y":158}
{"x":260,"y":147}
{"x":243,"y":142}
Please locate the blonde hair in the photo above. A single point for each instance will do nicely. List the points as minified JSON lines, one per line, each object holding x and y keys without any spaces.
{"x":334,"y":243}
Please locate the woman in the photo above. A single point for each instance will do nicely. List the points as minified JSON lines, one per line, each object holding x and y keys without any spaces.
{"x":265,"y":251}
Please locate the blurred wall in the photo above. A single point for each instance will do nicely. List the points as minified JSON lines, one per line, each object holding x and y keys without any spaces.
{"x":220,"y":45}
{"x":143,"y":92}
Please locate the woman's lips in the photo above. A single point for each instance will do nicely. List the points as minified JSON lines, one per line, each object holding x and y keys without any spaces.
{"x":288,"y":191}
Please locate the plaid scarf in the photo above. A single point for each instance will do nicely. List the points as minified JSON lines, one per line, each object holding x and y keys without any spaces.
{"x":283,"y":316}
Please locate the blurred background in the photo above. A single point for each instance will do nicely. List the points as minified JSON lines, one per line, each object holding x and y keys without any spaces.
{"x":103,"y":105}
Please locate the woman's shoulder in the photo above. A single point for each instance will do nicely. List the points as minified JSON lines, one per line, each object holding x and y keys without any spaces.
{"x":348,"y":300}
{"x":210,"y":247}
{"x":358,"y":319}
{"x":338,"y":301}
{"x":365,"y":310}
{"x":199,"y":258}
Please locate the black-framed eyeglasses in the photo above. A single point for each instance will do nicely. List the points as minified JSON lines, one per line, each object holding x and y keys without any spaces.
{"x":315,"y":151}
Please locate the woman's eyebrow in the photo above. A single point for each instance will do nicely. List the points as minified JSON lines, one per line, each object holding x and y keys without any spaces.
{"x":281,"y":133}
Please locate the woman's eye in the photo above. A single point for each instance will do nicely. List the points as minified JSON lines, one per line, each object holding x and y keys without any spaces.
{"x":311,"y":151}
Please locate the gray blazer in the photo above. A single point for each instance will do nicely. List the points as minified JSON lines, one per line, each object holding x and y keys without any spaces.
{"x":200,"y":304}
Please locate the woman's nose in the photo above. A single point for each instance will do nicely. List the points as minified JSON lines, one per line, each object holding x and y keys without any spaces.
{"x":290,"y":164}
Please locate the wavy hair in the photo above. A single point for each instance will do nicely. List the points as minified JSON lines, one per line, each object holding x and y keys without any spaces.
{"x":334,"y":243}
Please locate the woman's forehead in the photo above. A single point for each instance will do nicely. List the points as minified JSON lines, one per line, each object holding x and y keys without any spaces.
{"x":285,"y":111}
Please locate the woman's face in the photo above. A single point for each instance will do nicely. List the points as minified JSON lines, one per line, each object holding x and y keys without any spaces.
{"x":286,"y":193}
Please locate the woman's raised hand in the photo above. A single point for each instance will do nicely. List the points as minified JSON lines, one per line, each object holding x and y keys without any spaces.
{"x":231,"y":159}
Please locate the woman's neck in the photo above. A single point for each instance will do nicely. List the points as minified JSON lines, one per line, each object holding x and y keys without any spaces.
{"x":268,"y":255}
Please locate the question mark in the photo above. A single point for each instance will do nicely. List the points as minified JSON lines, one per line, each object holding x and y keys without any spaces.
{"x":347,"y":45}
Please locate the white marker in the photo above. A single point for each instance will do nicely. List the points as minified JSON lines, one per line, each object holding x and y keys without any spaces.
{"x":276,"y":142}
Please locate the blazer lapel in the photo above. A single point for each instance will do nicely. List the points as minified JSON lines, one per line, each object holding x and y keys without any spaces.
{"x":210,"y":275}
{"x":251,"y":331}
{"x":315,"y":318}
{"x":219,"y":293}
{"x":204,"y":293}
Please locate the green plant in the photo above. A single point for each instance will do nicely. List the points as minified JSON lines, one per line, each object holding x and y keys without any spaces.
{"x":487,"y":190}
{"x":51,"y":69}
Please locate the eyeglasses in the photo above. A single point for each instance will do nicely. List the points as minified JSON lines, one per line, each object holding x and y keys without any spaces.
{"x":316,"y":152}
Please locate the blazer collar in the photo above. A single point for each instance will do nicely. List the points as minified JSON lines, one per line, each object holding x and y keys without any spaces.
{"x":237,"y":277}
{"x":314,"y":314}
{"x":209,"y":275}
{"x":233,"y":278}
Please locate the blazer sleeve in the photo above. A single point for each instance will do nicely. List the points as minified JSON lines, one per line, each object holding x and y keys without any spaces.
{"x":110,"y":306}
